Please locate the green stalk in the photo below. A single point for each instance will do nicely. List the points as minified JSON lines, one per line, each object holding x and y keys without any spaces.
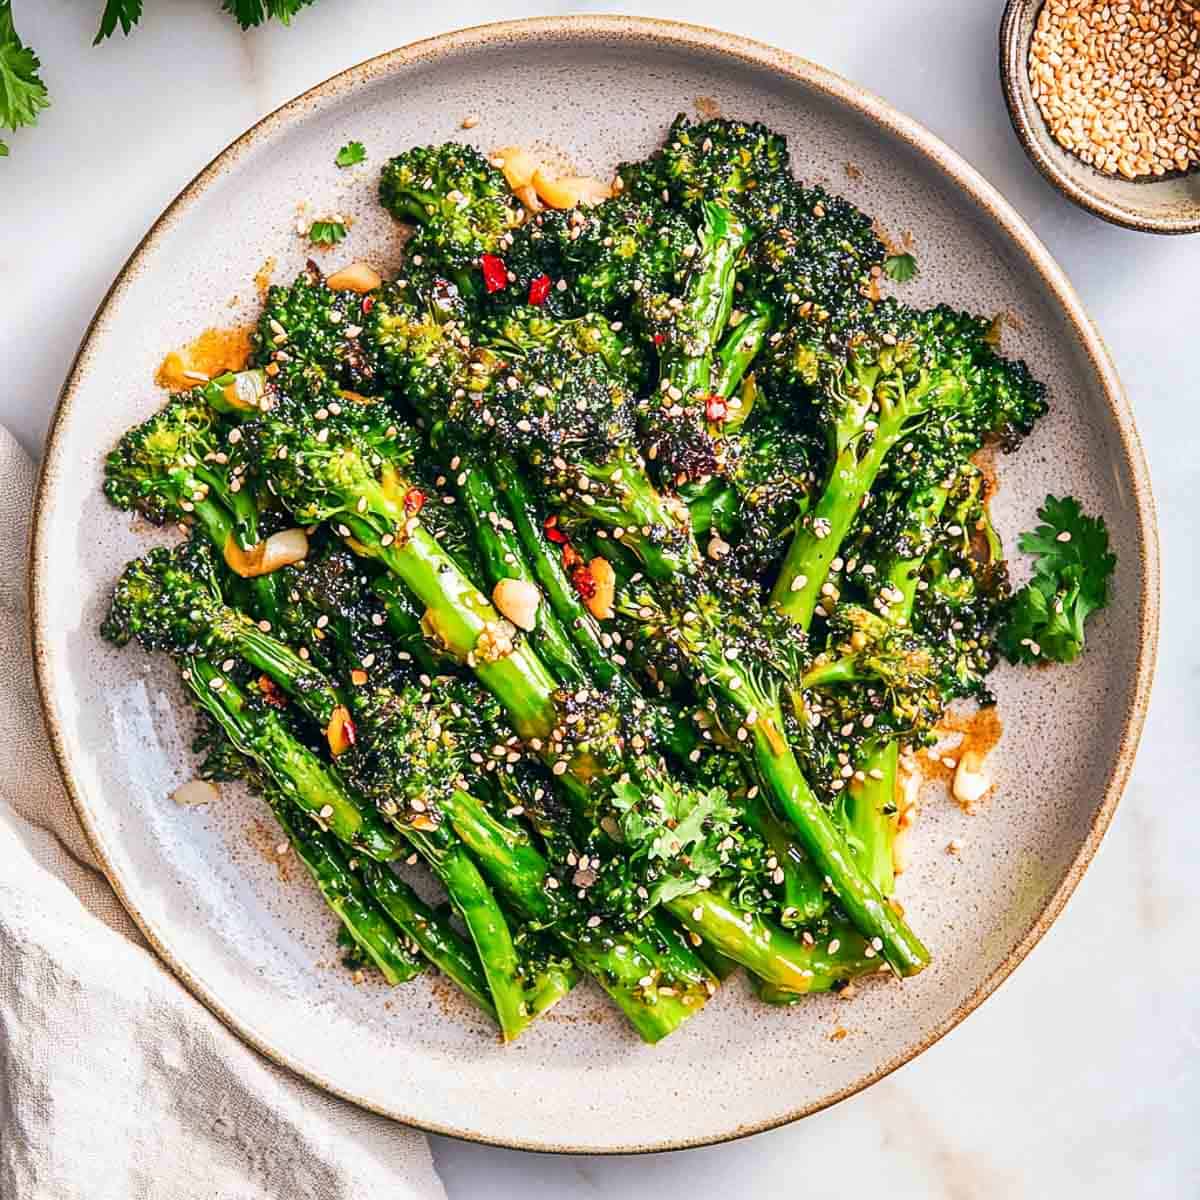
{"x":804,"y":896}
{"x":707,"y":302}
{"x":344,"y":892}
{"x":260,"y":734}
{"x":776,"y":957}
{"x":820,"y":534}
{"x":501,"y":553}
{"x":868,"y":805}
{"x":559,"y":592}
{"x":439,"y":941}
{"x":485,"y":922}
{"x":618,"y":960}
{"x":463,"y":620}
{"x":737,"y":351}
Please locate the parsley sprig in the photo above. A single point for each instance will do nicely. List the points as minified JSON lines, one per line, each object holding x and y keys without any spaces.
{"x":1070,"y":582}
{"x":326,"y":233}
{"x":676,"y":834}
{"x":351,"y":154}
{"x":22,"y":93}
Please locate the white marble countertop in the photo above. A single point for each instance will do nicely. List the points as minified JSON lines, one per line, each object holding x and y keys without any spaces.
{"x":1080,"y":1075}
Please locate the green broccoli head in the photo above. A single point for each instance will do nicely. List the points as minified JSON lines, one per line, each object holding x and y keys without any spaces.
{"x":418,"y":341}
{"x":416,"y":744}
{"x":327,"y":457}
{"x":609,"y":253}
{"x":165,"y":466}
{"x":819,"y":249}
{"x":169,"y":600}
{"x":308,"y":323}
{"x":930,"y":379}
{"x":742,"y":165}
{"x":461,"y":204}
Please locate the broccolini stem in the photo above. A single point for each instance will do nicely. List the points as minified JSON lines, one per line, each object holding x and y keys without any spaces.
{"x":485,"y":922}
{"x":547,"y":566}
{"x":345,"y":893}
{"x":292,"y":767}
{"x":804,"y":896}
{"x":820,"y":534}
{"x":707,"y":302}
{"x":618,"y":960}
{"x":773,"y":955}
{"x":463,"y":620}
{"x":735,"y":354}
{"x":439,"y":941}
{"x":869,"y":802}
{"x":827,"y":848}
{"x":501,"y":551}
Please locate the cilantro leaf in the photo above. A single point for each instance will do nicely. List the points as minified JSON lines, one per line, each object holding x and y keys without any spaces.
{"x":1070,"y":582}
{"x":900,"y":267}
{"x":326,"y":233}
{"x":125,"y":13}
{"x":22,"y":93}
{"x":674,"y":836}
{"x":350,"y":154}
{"x":248,"y":13}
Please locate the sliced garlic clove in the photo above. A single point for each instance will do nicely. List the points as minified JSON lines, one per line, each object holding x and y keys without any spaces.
{"x":971,"y":782}
{"x":196,"y":792}
{"x":357,"y":277}
{"x":518,"y":600}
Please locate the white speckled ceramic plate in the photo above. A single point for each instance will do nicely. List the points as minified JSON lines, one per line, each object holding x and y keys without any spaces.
{"x":202,"y":883}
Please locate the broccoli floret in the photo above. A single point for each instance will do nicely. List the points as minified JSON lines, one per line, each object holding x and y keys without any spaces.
{"x":185,"y":464}
{"x":308,"y":323}
{"x":742,"y":165}
{"x":461,"y":204}
{"x":919,"y":390}
{"x":605,"y":255}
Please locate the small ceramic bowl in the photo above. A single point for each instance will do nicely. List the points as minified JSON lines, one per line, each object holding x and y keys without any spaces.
{"x":1170,"y":204}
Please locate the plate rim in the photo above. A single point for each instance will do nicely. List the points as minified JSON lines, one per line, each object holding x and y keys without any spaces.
{"x":947,"y":163}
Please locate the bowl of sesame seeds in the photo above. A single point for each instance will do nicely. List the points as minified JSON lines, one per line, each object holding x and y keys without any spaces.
{"x":1104,"y":96}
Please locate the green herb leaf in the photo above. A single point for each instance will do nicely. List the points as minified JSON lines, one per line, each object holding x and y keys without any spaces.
{"x":1070,"y":582}
{"x":326,"y":233}
{"x":254,"y":12}
{"x":350,"y":154}
{"x":900,"y":267}
{"x":125,"y":13}
{"x":22,"y":93}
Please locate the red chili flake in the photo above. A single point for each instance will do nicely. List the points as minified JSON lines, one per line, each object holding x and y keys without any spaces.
{"x":414,"y":501}
{"x":556,"y":535}
{"x":368,"y":304}
{"x":584,"y":581}
{"x":495,"y":273}
{"x":539,"y":289}
{"x":350,"y":731}
{"x":715,"y":408}
{"x":271,"y":693}
{"x":659,"y":338}
{"x":570,"y":557}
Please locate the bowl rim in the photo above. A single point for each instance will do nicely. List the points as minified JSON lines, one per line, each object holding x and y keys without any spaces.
{"x":1013,"y":54}
{"x":946,"y":163}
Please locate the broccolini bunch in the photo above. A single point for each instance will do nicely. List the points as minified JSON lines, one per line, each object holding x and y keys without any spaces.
{"x":608,"y":562}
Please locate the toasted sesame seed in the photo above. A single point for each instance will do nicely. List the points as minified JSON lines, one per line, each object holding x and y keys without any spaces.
{"x":1118,"y":83}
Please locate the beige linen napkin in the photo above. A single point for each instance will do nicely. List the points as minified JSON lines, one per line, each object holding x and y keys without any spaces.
{"x":115,"y":1084}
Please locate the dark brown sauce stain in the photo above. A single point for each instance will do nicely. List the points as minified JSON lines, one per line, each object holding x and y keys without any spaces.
{"x":213,"y":353}
{"x":265,"y":840}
